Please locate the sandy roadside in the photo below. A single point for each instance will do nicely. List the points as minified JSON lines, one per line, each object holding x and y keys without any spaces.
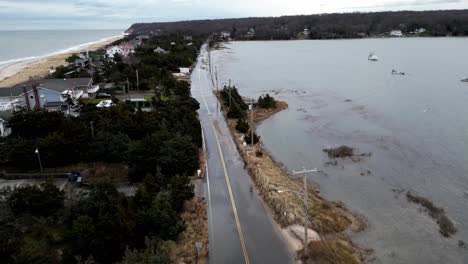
{"x":22,"y":71}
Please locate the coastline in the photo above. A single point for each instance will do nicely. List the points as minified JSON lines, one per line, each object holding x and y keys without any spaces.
{"x":333,"y":224}
{"x":22,"y":70}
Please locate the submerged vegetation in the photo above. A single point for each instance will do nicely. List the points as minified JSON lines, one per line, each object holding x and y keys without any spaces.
{"x":339,"y":152}
{"x":446,"y":226}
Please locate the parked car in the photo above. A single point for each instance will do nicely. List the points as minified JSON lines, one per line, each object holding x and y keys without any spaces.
{"x":103,"y":95}
{"x":105,"y":103}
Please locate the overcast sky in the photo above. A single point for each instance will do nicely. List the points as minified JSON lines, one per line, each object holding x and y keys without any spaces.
{"x":120,"y":14}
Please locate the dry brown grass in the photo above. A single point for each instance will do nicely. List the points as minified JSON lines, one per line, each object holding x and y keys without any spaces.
{"x":262,"y":114}
{"x":92,"y":172}
{"x":331,"y":252}
{"x":184,"y":250}
{"x":328,"y":218}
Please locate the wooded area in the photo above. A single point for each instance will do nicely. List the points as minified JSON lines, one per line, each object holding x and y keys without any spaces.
{"x":160,"y":148}
{"x":327,"y":26}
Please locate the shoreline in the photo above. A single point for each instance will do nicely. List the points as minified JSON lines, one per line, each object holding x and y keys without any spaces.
{"x":22,"y":70}
{"x":333,"y":224}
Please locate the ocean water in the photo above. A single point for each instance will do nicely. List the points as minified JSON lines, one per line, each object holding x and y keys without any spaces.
{"x":23,"y":45}
{"x":416,"y":127}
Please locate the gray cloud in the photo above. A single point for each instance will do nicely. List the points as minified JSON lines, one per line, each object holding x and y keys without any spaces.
{"x":414,"y":3}
{"x":99,"y":14}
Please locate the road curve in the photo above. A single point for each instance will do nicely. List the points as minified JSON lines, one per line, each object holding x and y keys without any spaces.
{"x":240,"y":228}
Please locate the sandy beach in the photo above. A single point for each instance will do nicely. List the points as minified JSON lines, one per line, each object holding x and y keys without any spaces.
{"x":22,"y":71}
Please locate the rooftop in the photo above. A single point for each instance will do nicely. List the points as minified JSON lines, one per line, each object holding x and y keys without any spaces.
{"x":58,"y":85}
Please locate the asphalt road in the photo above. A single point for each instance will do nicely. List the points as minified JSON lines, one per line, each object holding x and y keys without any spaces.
{"x":240,"y":228}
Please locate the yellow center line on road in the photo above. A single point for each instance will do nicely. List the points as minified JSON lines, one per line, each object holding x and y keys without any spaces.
{"x":226,"y":175}
{"x":231,"y":196}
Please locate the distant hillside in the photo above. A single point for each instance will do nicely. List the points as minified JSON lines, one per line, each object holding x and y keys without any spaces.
{"x":347,"y":25}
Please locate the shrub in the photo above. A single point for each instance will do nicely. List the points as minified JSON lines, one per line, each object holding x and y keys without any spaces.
{"x":248,"y":138}
{"x":266,"y":102}
{"x":340,"y":152}
{"x":242,"y":126}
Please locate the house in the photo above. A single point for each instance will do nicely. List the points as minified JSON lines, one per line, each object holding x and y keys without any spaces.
{"x":250,"y":33}
{"x":420,"y":30}
{"x":51,"y":94}
{"x":188,"y":38}
{"x":361,"y":34}
{"x":123,"y":50}
{"x":143,"y":37}
{"x":81,"y":63}
{"x":5,"y":131}
{"x":184,"y":70}
{"x":113,"y":50}
{"x":396,"y":33}
{"x":183,"y":74}
{"x":225,"y":34}
{"x":160,"y":50}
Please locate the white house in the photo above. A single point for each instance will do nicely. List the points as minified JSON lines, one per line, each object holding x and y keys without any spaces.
{"x":113,"y":50}
{"x":420,"y":30}
{"x":160,"y":50}
{"x":123,"y":50}
{"x":225,"y":34}
{"x":396,"y":33}
{"x":5,"y":131}
{"x":184,"y":70}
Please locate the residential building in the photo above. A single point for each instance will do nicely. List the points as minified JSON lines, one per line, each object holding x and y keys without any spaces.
{"x":361,"y":34}
{"x":225,"y":34}
{"x":396,"y":33}
{"x":250,"y":33}
{"x":420,"y":30}
{"x":81,"y":63}
{"x":184,"y":70}
{"x":5,"y":131}
{"x":51,"y":94}
{"x":123,"y":50}
{"x":160,"y":50}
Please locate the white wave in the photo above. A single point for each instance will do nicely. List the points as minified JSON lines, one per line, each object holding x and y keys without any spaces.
{"x":62,"y":51}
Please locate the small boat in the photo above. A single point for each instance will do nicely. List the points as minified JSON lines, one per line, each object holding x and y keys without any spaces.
{"x":372,"y":57}
{"x":465,"y":79}
{"x":395,"y":72}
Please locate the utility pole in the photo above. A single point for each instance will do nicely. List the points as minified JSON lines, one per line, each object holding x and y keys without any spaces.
{"x":251,"y":121}
{"x":216,"y":74}
{"x":92,"y":128}
{"x":128,"y":89}
{"x":306,"y":208}
{"x":229,"y":87}
{"x":138,"y":81}
{"x":39,"y":159}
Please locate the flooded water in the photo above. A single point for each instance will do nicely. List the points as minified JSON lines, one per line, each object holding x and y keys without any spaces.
{"x":416,"y":127}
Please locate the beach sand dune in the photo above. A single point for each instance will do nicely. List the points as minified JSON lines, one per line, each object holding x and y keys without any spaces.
{"x":22,"y":71}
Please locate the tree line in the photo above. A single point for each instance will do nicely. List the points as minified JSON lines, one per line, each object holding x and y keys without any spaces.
{"x":322,"y":26}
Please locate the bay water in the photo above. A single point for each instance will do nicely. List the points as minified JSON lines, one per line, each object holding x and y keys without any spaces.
{"x":415,"y":125}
